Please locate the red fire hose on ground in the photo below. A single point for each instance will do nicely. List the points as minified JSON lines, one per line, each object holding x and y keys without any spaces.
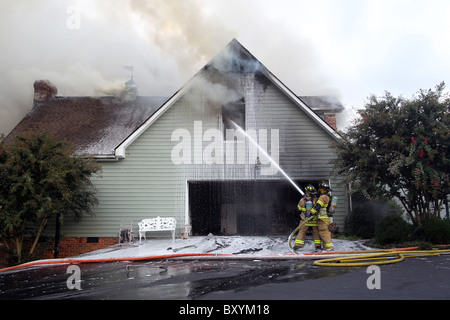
{"x":341,"y":258}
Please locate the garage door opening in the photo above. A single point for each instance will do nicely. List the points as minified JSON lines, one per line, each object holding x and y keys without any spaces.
{"x":242,"y":207}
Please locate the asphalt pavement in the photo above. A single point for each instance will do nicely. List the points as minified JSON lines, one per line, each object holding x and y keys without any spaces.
{"x":419,"y":278}
{"x":426,"y":278}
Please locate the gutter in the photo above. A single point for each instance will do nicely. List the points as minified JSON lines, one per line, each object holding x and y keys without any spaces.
{"x":99,"y":158}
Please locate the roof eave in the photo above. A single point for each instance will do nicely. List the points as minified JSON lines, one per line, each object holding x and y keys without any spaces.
{"x":98,"y":157}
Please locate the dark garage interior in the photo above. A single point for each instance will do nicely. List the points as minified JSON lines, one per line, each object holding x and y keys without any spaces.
{"x":243,"y":207}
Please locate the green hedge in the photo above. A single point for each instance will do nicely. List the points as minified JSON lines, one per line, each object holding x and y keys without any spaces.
{"x":437,"y":231}
{"x":392,"y":229}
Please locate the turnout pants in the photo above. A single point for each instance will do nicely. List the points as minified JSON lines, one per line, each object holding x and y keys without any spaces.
{"x":324,"y":233}
{"x":300,"y":239}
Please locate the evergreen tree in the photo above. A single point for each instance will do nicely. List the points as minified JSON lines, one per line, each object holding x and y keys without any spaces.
{"x":40,"y":177}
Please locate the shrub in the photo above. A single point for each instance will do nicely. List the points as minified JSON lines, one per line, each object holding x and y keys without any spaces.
{"x":362,"y":220}
{"x":437,"y":231}
{"x":360,"y":223}
{"x":392,"y":229}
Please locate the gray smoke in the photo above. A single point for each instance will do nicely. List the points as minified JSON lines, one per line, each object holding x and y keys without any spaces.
{"x":81,"y":46}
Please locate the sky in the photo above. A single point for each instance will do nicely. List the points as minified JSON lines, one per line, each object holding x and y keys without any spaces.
{"x":348,"y":48}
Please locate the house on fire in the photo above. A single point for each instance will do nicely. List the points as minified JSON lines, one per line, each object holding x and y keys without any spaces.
{"x":185,"y":156}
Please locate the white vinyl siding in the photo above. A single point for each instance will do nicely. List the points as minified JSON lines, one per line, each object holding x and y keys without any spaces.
{"x":148,"y":184}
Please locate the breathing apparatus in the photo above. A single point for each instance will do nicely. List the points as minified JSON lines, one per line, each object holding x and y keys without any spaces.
{"x":332,"y":207}
{"x":309,"y":206}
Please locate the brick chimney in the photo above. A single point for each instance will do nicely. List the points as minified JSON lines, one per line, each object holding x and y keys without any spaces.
{"x":330,"y":118}
{"x":44,"y":90}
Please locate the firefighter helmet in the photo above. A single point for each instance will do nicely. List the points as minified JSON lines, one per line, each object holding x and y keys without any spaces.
{"x":324,"y":185}
{"x":310,"y":189}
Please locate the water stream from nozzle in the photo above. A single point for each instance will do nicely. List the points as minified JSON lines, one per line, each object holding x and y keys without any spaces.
{"x":267,"y":155}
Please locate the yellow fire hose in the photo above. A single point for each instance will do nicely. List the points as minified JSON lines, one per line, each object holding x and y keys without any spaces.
{"x":302,"y":223}
{"x":387,"y":257}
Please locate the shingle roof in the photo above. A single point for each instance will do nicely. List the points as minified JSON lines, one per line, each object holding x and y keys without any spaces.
{"x":95,"y":125}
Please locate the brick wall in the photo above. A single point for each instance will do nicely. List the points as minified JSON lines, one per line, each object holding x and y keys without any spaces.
{"x":68,"y":247}
{"x":330,"y":118}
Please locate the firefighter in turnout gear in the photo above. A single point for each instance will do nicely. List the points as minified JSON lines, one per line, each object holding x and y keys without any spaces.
{"x":320,"y":210}
{"x":304,"y":206}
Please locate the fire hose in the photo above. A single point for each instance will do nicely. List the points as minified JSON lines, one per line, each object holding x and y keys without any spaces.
{"x":302,"y":223}
{"x":355,"y":258}
{"x":360,"y":259}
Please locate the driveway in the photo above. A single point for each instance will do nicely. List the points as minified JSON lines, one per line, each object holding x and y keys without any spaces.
{"x":229,"y":280}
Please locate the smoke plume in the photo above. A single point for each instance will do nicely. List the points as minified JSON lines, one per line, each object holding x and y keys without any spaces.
{"x":81,"y":46}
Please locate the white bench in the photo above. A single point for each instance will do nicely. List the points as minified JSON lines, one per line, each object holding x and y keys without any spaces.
{"x":157,"y":224}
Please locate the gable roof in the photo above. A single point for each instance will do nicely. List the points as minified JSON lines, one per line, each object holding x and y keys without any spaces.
{"x":103,"y":127}
{"x":234,"y":57}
